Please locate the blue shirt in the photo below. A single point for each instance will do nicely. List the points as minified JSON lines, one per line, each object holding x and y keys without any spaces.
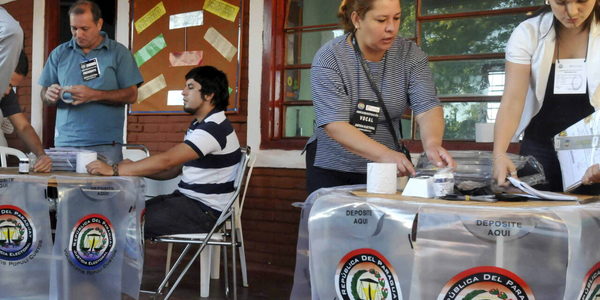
{"x":92,"y":123}
{"x":209,"y":179}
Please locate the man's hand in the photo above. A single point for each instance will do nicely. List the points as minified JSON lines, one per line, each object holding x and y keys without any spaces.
{"x":81,"y":94}
{"x":52,"y":94}
{"x":98,"y":167}
{"x":43,"y":164}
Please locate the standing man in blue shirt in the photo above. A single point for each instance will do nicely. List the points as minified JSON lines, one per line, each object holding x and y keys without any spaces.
{"x":90,"y":78}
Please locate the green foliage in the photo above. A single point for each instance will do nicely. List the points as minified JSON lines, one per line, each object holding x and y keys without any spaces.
{"x":461,"y":118}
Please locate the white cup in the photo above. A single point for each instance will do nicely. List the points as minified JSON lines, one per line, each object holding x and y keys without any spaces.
{"x":381,"y":178}
{"x":84,"y":158}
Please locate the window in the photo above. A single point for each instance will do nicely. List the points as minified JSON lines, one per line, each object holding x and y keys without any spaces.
{"x":464,"y":39}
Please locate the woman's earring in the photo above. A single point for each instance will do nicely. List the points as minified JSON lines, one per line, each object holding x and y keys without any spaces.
{"x":547,"y":2}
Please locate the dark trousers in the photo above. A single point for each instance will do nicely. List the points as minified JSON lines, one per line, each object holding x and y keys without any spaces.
{"x":546,"y":155}
{"x":175,"y":213}
{"x":317,"y":178}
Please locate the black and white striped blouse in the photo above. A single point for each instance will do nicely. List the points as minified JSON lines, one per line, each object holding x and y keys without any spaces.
{"x":338,"y":82}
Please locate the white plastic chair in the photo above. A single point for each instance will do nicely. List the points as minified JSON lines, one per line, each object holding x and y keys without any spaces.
{"x":219,"y":235}
{"x":5,"y":151}
{"x":135,"y":152}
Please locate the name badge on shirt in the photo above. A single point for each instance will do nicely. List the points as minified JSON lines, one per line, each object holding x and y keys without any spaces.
{"x":90,"y":69}
{"x":569,"y":76}
{"x":366,"y":116}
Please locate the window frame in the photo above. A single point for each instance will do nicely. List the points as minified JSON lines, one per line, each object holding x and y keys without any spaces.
{"x":273,"y":102}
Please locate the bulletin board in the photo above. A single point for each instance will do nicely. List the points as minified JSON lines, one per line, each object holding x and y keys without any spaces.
{"x":170,"y":37}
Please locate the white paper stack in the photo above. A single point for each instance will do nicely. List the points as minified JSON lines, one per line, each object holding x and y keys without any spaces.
{"x":577,"y":149}
{"x":63,"y":159}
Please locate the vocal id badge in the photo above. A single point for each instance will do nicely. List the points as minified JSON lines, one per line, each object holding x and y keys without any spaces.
{"x":90,"y":69}
{"x":366,"y":116}
{"x":570,"y":76}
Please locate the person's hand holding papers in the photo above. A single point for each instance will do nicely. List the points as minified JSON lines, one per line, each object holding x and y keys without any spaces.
{"x":592,"y":175}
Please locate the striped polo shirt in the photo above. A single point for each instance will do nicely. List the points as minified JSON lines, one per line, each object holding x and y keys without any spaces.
{"x":209,"y":179}
{"x":338,"y":81}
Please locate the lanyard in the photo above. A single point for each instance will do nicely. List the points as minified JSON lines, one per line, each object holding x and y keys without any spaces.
{"x":377,"y":91}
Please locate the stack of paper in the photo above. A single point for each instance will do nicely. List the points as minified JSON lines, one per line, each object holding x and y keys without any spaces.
{"x":533,"y":193}
{"x":63,"y":159}
{"x":576,"y":148}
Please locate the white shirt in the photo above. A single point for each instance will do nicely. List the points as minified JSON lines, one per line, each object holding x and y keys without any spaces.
{"x":532,"y":43}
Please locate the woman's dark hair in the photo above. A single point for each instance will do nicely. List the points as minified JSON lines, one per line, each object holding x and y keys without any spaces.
{"x":212,"y":81}
{"x":347,"y":7}
{"x":556,"y":23}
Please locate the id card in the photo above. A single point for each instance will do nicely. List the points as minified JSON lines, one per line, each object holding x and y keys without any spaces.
{"x":570,"y":76}
{"x":366,"y":116}
{"x":89,"y":69}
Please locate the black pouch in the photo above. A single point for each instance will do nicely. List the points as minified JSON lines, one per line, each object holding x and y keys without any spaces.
{"x":404,"y":150}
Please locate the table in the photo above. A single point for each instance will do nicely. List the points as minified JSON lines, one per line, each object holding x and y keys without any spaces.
{"x":354,"y":245}
{"x":97,"y":247}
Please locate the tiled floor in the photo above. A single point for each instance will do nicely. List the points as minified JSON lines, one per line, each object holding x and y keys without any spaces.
{"x":261,"y":285}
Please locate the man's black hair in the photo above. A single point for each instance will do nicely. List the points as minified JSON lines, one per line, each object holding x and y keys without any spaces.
{"x":80,"y":7}
{"x":212,"y":81}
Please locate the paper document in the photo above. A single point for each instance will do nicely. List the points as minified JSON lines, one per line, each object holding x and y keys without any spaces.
{"x":540,"y":194}
{"x":577,"y":149}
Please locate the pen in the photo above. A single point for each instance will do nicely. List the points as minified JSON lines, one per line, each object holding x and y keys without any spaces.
{"x":482,"y":198}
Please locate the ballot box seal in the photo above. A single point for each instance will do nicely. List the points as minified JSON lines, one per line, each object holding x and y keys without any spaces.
{"x":366,"y":274}
{"x":591,"y":284}
{"x":17,"y":233}
{"x":486,"y":282}
{"x":92,"y":243}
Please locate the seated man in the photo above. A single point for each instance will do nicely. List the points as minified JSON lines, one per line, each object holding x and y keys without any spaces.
{"x":209,"y":155}
{"x":10,"y":109}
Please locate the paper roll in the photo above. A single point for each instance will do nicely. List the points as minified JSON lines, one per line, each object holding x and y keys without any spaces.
{"x":381,"y":178}
{"x":84,"y":158}
{"x":484,"y":132}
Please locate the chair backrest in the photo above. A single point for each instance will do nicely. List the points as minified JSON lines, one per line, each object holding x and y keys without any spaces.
{"x":4,"y":151}
{"x":135,"y":152}
{"x":251,"y":162}
{"x":237,"y":184}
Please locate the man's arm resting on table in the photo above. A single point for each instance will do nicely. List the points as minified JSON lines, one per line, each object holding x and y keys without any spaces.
{"x":155,"y":165}
{"x":167,"y":174}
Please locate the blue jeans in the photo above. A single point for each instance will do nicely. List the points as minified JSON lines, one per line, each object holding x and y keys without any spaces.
{"x":110,"y":154}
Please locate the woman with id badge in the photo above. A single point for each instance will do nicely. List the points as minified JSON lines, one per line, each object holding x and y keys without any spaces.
{"x":361,"y":84}
{"x":552,"y":81}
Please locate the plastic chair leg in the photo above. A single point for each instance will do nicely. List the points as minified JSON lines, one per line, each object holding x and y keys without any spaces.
{"x":243,"y":267}
{"x":215,"y":262}
{"x":205,"y":266}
